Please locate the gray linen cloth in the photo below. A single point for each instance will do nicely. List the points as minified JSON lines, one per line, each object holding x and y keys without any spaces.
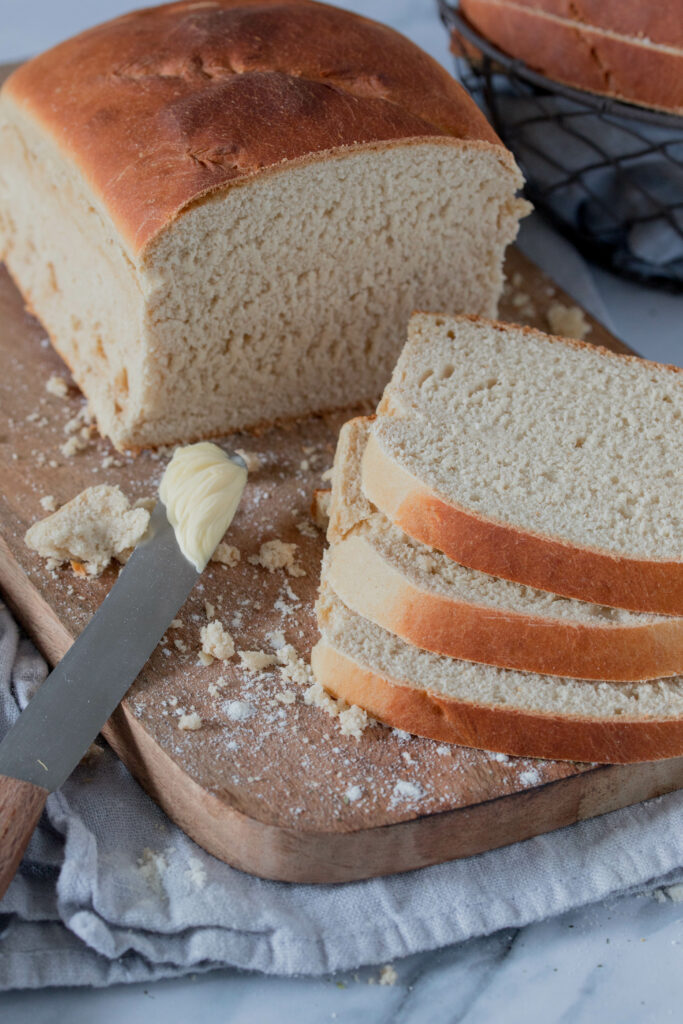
{"x":111,"y":891}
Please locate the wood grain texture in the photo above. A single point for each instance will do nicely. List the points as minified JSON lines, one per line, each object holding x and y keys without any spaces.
{"x":276,"y":792}
{"x":21,"y":805}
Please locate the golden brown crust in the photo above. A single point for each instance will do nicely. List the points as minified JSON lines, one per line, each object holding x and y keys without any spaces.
{"x":500,"y":636}
{"x":575,"y":53}
{"x":503,"y":550}
{"x":540,"y":561}
{"x":165,"y":105}
{"x":508,"y":730}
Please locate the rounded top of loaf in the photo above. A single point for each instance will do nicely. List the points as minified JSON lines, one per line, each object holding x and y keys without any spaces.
{"x":162,"y":106}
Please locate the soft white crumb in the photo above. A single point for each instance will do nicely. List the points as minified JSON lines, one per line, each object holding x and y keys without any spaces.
{"x":216,"y":642}
{"x":57,"y":385}
{"x":190,"y":723}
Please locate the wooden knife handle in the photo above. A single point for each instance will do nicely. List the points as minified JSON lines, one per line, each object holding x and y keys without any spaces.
{"x":21,"y":805}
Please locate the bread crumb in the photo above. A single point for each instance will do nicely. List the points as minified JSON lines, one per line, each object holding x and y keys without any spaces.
{"x":306,"y":528}
{"x":277,"y":554}
{"x":327,"y":475}
{"x":57,"y":385}
{"x":216,"y":642}
{"x":79,"y":421}
{"x":209,"y":610}
{"x":190,"y":723}
{"x":196,"y":873}
{"x":216,"y":686}
{"x":675,"y":892}
{"x":320,"y":508}
{"x":90,"y":530}
{"x":226,"y":554}
{"x":151,"y":867}
{"x":352,"y":794}
{"x":48,"y":503}
{"x":256,"y":661}
{"x":286,"y":697}
{"x":294,"y":668}
{"x":388,"y":975}
{"x":180,"y":645}
{"x":76,"y":443}
{"x":353,"y":721}
{"x":568,"y":321}
{"x":443,"y":750}
{"x":176,"y":624}
{"x":251,"y":460}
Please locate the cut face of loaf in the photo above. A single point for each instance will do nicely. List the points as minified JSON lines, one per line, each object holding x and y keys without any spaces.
{"x":541,"y":460}
{"x":426,"y":598}
{"x":223,"y":214}
{"x":493,"y":708}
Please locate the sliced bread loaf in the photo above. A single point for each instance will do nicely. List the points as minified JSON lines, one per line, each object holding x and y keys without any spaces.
{"x":426,"y":598}
{"x":224,"y":212}
{"x":538,"y":459}
{"x":493,"y":708}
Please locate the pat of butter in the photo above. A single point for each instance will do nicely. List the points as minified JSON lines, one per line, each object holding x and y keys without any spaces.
{"x":201,"y":490}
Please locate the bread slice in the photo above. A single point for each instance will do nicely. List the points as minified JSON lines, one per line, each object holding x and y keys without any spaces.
{"x":429,"y":600}
{"x":493,"y":708}
{"x":600,"y":59}
{"x":541,"y":460}
{"x":223,"y":213}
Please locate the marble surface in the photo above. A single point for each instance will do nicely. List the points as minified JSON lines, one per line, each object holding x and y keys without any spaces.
{"x":618,"y":961}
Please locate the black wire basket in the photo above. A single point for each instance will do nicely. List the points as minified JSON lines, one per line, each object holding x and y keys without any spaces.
{"x":609,"y":174}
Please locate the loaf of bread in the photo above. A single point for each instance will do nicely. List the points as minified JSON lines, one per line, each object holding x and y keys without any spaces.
{"x":632,"y":50}
{"x":427,"y":599}
{"x":541,"y":460}
{"x":224,"y":212}
{"x":493,"y":708}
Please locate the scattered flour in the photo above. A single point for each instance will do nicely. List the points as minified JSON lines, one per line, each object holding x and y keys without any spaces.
{"x":353,"y":793}
{"x":530,"y":777}
{"x":405,"y":791}
{"x":239,"y":710}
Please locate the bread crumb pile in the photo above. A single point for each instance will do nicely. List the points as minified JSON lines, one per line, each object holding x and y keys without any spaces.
{"x":96,"y":526}
{"x":352,"y":719}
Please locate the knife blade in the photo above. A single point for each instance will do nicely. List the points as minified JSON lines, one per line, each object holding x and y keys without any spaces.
{"x":65,"y":715}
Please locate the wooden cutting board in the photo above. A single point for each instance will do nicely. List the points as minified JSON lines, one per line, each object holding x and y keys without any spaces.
{"x":270,"y":787}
